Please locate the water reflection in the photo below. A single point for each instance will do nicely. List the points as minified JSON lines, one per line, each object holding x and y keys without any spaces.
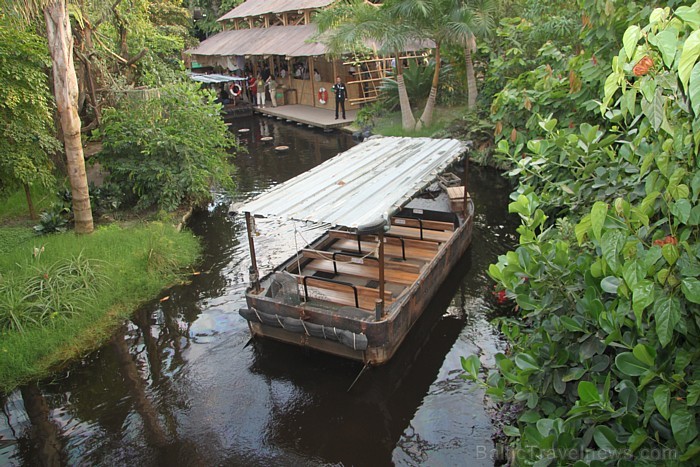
{"x":176,"y":386}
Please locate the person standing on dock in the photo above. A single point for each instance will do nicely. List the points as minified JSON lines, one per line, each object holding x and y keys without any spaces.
{"x":341,"y":95}
{"x":271,"y":84}
{"x":260,"y":87}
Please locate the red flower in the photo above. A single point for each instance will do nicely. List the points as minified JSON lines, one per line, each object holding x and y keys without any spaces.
{"x":666,"y":240}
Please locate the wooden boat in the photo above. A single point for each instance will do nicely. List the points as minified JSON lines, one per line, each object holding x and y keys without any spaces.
{"x":395,"y":230}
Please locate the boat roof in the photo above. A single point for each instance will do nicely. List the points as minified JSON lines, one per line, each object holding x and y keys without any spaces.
{"x":369,"y":181}
{"x":214,"y":78}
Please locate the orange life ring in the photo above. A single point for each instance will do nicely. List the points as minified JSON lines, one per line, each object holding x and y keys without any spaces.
{"x":235,"y":90}
{"x":322,"y":95}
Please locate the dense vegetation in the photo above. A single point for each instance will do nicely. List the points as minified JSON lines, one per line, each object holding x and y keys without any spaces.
{"x":605,"y":277}
{"x":166,"y":151}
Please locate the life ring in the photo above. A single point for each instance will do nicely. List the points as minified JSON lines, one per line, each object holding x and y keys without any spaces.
{"x":235,"y":90}
{"x":322,"y":95}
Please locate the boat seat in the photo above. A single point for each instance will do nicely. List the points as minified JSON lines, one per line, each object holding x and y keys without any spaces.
{"x":362,"y":270}
{"x":424,"y":249}
{"x":344,"y":293}
{"x":416,"y":233}
{"x":425,"y":224}
{"x":392,"y":251}
{"x":339,"y":257}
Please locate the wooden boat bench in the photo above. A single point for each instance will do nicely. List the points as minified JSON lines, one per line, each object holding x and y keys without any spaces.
{"x":419,"y":229}
{"x":343,"y":293}
{"x":394,"y":247}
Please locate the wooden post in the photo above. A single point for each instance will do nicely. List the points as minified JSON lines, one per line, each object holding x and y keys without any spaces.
{"x":285,"y":19}
{"x":237,"y":24}
{"x":254,"y":275}
{"x":466,"y":176}
{"x":311,"y":80}
{"x":381,"y":268}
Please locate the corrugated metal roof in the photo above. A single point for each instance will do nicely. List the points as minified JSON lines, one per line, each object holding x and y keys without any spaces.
{"x":263,"y":7}
{"x":214,"y":78}
{"x":369,"y":181}
{"x":275,"y":40}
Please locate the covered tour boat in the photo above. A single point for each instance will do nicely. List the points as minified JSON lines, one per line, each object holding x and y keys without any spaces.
{"x":397,"y":222}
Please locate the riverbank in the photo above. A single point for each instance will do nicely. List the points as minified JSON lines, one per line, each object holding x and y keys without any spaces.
{"x":133,"y":265}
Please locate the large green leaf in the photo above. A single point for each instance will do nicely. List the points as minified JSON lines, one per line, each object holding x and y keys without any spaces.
{"x":630,"y":39}
{"x":694,"y":89}
{"x":598,"y":214}
{"x":629,"y":365}
{"x":694,"y":393}
{"x":654,"y":110}
{"x":662,"y":399}
{"x":666,"y":314}
{"x":689,"y":55}
{"x":526,"y":362}
{"x":605,"y":438}
{"x":667,"y":42}
{"x":644,"y":353}
{"x":690,"y":15}
{"x":588,"y":392}
{"x":691,"y":289}
{"x":611,"y":244}
{"x":610,"y":284}
{"x":642,"y":297}
{"x":683,"y":426}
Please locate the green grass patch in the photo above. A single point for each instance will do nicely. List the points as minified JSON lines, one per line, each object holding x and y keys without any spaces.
{"x":126,"y":266}
{"x":390,"y":124}
{"x":14,"y":207}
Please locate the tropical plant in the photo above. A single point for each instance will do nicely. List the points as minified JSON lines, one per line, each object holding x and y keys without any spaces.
{"x":26,"y":125}
{"x":55,"y":220}
{"x":604,"y":360}
{"x":166,"y":150}
{"x":65,"y":87}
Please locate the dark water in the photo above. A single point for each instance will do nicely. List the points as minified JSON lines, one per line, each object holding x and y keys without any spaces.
{"x":176,"y":386}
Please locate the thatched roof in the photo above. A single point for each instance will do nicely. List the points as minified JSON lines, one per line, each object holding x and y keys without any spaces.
{"x":290,"y":41}
{"x":264,"y":7}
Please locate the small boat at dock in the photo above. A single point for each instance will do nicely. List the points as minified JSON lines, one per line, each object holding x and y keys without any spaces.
{"x":397,"y":221}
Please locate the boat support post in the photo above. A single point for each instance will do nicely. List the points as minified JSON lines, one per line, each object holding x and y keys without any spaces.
{"x":380,"y":305}
{"x":466,"y":177}
{"x":254,"y":276}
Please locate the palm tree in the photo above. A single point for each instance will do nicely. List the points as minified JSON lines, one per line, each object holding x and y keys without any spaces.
{"x":351,"y":26}
{"x":480,"y":15}
{"x":60,"y":41}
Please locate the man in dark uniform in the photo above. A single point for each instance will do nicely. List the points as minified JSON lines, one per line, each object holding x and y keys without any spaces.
{"x":341,"y":95}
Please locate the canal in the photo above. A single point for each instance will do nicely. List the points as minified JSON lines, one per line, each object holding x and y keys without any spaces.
{"x":177,"y":384}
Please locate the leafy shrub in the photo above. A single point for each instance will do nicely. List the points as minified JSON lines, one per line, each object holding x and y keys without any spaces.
{"x":605,"y":359}
{"x":54,"y":220}
{"x":418,"y":80}
{"x":168,"y":150}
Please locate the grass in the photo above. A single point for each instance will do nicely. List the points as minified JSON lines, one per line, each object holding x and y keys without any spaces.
{"x":390,"y":124}
{"x":14,"y":208}
{"x":137,"y":262}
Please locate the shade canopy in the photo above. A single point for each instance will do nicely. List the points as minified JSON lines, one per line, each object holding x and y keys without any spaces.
{"x":214,"y":78}
{"x":370,"y":181}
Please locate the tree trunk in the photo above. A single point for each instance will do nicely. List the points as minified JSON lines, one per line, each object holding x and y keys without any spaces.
{"x":30,"y":204}
{"x":60,"y":42}
{"x":407,"y":120}
{"x":471,"y":78}
{"x":427,"y":118}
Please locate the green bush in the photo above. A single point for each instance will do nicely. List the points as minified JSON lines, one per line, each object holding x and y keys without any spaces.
{"x":604,"y":360}
{"x":166,"y":151}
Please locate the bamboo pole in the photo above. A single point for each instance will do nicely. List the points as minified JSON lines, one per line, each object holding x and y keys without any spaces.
{"x":311,"y":80}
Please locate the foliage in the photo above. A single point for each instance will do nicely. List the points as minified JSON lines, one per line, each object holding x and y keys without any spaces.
{"x":41,"y":294}
{"x":418,"y":80}
{"x":168,"y":150}
{"x":122,"y":255}
{"x":14,"y":207}
{"x":54,"y":220}
{"x":604,"y":361}
{"x":26,"y":125}
{"x":369,"y":113}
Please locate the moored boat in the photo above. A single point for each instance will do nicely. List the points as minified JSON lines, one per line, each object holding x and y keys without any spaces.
{"x":397,"y":224}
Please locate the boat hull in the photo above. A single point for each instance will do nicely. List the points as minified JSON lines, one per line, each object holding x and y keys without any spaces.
{"x":383,"y":337}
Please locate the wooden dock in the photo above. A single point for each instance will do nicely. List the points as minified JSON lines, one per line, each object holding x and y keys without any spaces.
{"x":320,"y":118}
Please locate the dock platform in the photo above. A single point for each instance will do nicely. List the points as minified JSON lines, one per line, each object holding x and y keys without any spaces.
{"x":321,"y":118}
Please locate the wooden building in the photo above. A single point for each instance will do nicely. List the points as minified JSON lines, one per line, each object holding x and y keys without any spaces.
{"x":279,"y":34}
